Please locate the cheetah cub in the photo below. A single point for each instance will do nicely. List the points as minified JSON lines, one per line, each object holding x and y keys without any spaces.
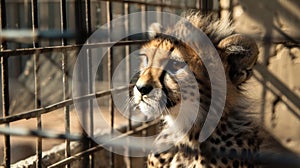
{"x":181,"y":82}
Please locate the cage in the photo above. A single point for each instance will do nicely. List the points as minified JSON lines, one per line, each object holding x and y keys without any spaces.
{"x":41,"y":42}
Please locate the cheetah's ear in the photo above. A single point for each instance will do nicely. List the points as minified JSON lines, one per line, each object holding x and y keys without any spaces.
{"x":239,"y":53}
{"x":155,"y":29}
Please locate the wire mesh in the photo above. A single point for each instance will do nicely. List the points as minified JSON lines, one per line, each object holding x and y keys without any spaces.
{"x":72,"y":38}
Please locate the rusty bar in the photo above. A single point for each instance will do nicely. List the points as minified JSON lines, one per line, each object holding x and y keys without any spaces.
{"x":152,"y":4}
{"x":24,"y":132}
{"x":206,"y":6}
{"x":80,"y":23}
{"x":127,"y":78}
{"x":127,"y":53}
{"x":25,"y":36}
{"x":144,"y":29}
{"x":88,"y":16}
{"x":159,"y":17}
{"x":5,"y":106}
{"x":34,"y":17}
{"x":5,"y":87}
{"x":82,"y":33}
{"x":198,"y":2}
{"x":29,"y":51}
{"x":143,"y":17}
{"x":64,"y":65}
{"x":34,"y":113}
{"x":90,"y":82}
{"x":109,"y":74}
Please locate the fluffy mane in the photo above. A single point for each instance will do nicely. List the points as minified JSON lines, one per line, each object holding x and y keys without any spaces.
{"x":216,"y":29}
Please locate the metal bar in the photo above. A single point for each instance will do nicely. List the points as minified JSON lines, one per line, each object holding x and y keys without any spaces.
{"x":5,"y":87}
{"x":30,"y":51}
{"x":37,"y":105}
{"x":99,"y":147}
{"x":40,"y":50}
{"x":136,"y":2}
{"x":64,"y":63}
{"x":127,"y":53}
{"x":37,"y":133}
{"x":144,"y":29}
{"x":34,"y":17}
{"x":90,"y":82}
{"x":152,"y":4}
{"x":204,"y":6}
{"x":81,"y":32}
{"x":127,"y":78}
{"x":198,"y":2}
{"x":88,"y":16}
{"x":34,"y":113}
{"x":109,"y":73}
{"x":143,"y":18}
{"x":159,"y":15}
{"x":26,"y":35}
{"x":5,"y":106}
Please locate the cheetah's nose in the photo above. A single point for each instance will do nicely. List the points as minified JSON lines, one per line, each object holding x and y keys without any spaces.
{"x":144,"y":89}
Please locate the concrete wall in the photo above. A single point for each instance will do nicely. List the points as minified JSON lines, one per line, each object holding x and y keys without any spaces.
{"x":275,"y":26}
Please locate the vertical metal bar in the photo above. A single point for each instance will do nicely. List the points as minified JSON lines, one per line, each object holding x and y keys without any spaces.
{"x":5,"y":87}
{"x":34,"y":17}
{"x":143,"y":18}
{"x":88,"y":16}
{"x":5,"y":105}
{"x":144,"y":29}
{"x":90,"y":82}
{"x":198,"y":4}
{"x":205,"y":6}
{"x":225,"y":9}
{"x":127,"y":52}
{"x":159,"y":15}
{"x":80,"y":22}
{"x":110,"y":67}
{"x":81,"y":31}
{"x":127,"y":74}
{"x":64,"y":64}
{"x":162,"y":10}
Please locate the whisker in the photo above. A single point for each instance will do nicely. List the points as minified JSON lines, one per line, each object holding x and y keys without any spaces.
{"x":129,"y":105}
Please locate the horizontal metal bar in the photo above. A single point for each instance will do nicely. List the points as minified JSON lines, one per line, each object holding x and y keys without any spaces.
{"x":153,"y":4}
{"x":100,"y":146}
{"x":29,"y":51}
{"x":268,"y":76}
{"x":34,"y":113}
{"x":27,"y":35}
{"x":37,"y":133}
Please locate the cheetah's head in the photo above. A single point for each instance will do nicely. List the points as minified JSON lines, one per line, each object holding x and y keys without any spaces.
{"x":172,"y":72}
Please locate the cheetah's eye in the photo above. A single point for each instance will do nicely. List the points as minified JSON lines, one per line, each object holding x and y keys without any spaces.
{"x":173,"y":65}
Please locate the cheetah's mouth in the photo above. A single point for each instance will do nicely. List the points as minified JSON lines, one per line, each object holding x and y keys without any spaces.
{"x":152,"y":104}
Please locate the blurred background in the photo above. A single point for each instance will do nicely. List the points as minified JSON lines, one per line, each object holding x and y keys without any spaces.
{"x":40,"y":40}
